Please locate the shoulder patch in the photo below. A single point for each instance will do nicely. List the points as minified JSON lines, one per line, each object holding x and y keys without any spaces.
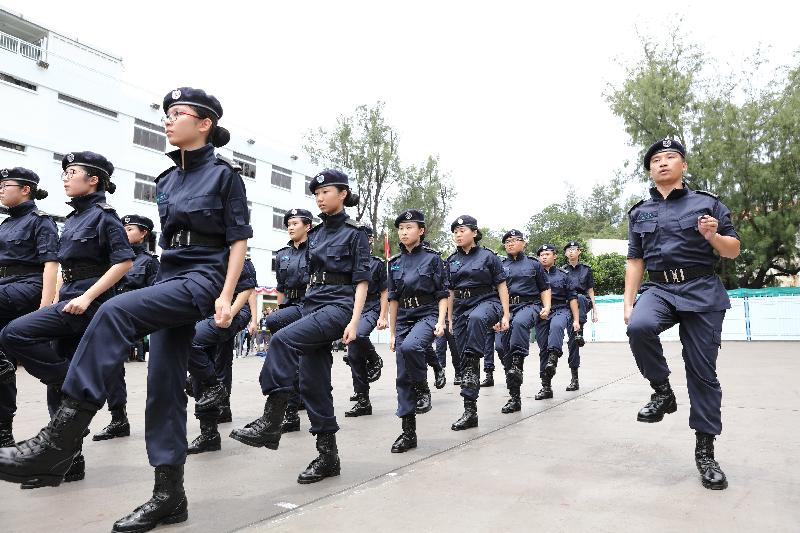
{"x":395,"y":256}
{"x":711,"y":194}
{"x":236,"y":167}
{"x":313,"y":228}
{"x":105,"y":207}
{"x":637,"y":204}
{"x":431,"y":250}
{"x":170,"y":169}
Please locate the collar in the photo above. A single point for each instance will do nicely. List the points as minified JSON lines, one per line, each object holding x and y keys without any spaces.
{"x":517,"y":257}
{"x":415,"y":250}
{"x":193,"y":158}
{"x":82,"y":203}
{"x":673,"y":194}
{"x":333,"y":221}
{"x":138,"y":248}
{"x":577,"y":265}
{"x":548,"y":270}
{"x":22,"y":209}
{"x":300,"y":246}
{"x":471,"y":250}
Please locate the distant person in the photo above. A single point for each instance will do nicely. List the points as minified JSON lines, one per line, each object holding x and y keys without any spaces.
{"x":583,"y":280}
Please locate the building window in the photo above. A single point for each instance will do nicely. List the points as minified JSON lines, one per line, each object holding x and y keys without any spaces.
{"x":87,"y":105}
{"x":275,"y":261}
{"x":281,"y":177}
{"x":16,"y":81}
{"x":144,"y":189}
{"x":249,"y":210}
{"x":12,"y":145}
{"x":247,"y":163}
{"x":149,"y":135}
{"x":277,"y":218}
{"x":309,"y":179}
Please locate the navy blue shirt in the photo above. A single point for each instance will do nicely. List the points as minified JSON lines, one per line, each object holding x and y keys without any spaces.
{"x":663,"y":232}
{"x":27,"y":237}
{"x":377,"y":279}
{"x":525,"y":276}
{"x":562,"y":289}
{"x":480,"y":267}
{"x":417,"y":273}
{"x":142,"y":273}
{"x":206,"y":196}
{"x":93,"y":235}
{"x":336,"y":245}
{"x":581,"y":276}
{"x":247,"y":279}
{"x":292,"y":271}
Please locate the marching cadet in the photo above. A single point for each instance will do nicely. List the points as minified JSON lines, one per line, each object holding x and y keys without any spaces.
{"x":418,"y":297}
{"x":529,"y":298}
{"x":583,"y":280}
{"x":361,"y":349}
{"x":205,"y":226}
{"x":94,"y":254}
{"x":441,"y":346}
{"x":338,"y":262}
{"x":550,"y":330}
{"x":488,"y":363}
{"x":209,"y":372}
{"x":479,"y":306}
{"x":142,"y":274}
{"x":28,"y":268}
{"x":675,"y":235}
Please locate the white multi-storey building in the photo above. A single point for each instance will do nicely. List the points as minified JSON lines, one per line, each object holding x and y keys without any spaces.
{"x":58,"y":95}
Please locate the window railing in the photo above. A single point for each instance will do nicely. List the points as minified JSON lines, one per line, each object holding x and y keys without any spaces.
{"x":23,"y":48}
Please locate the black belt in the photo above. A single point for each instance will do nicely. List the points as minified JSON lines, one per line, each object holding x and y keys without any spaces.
{"x":415,"y":301}
{"x":460,"y":294}
{"x":522,"y":299}
{"x":330,"y":278}
{"x":17,"y":270}
{"x":185,"y":237}
{"x":679,"y":275}
{"x":82,"y":272}
{"x":294,"y":294}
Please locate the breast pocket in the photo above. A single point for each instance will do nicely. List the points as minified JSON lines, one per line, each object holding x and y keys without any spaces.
{"x":689,"y":222}
{"x":17,"y":244}
{"x":204,"y":211}
{"x":647,"y":232}
{"x":337,"y":257}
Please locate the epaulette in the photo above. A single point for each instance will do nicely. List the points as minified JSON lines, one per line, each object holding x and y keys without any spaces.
{"x":395,"y":256}
{"x":104,"y":206}
{"x":3,"y":210}
{"x":531,"y":256}
{"x":282,"y":249}
{"x":563,"y":269}
{"x":236,"y":167}
{"x":313,"y":228}
{"x":637,"y":204}
{"x":170,"y":169}
{"x":350,"y":222}
{"x":39,"y":212}
{"x":378,"y":258}
{"x":431,"y":250}
{"x":711,"y":194}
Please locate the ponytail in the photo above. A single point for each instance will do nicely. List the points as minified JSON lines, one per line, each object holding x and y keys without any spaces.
{"x":217,"y":136}
{"x":39,"y":194}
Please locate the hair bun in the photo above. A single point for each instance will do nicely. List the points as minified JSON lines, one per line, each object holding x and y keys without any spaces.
{"x":352,"y":199}
{"x":110,"y":187}
{"x":220,"y":137}
{"x":40,"y":194}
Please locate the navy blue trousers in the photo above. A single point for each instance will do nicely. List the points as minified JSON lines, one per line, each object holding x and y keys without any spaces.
{"x":361,"y":348}
{"x":584,"y":306}
{"x":168,"y":311}
{"x":306,"y":344}
{"x":276,"y":321}
{"x":488,"y":355}
{"x":442,"y":343}
{"x":411,"y":342}
{"x":473,"y":330}
{"x":550,"y":333}
{"x":701,"y":337}
{"x":516,"y":339}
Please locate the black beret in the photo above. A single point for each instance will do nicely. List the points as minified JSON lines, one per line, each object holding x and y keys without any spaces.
{"x":572,"y":244}
{"x":297,"y":213}
{"x":464,"y":220}
{"x":329,"y":176}
{"x":664,"y":145}
{"x":195,"y":97}
{"x":88,"y":159}
{"x":138,"y":220}
{"x":19,"y":174}
{"x":512,"y":233}
{"x":410,"y":215}
{"x":546,"y":248}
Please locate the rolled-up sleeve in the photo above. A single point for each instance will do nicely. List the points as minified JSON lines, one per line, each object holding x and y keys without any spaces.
{"x":361,"y":255}
{"x":498,"y":272}
{"x":542,"y":282}
{"x":441,"y":279}
{"x":46,"y":240}
{"x":635,"y":250}
{"x":235,"y":212}
{"x":113,"y":237}
{"x":725,"y":225}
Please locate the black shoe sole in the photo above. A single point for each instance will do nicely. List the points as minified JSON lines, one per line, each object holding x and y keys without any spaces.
{"x":419,"y":411}
{"x":253,"y":443}
{"x":33,"y":482}
{"x":196,"y":451}
{"x":570,"y":389}
{"x":351,"y":414}
{"x":308,"y":481}
{"x":403,"y":450}
{"x":715,"y":486}
{"x":658,"y":418}
{"x":509,"y":411}
{"x":108,"y":436}
{"x":462,"y":428}
{"x":171,"y":519}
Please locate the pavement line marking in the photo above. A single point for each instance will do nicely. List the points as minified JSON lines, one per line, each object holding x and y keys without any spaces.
{"x":394,"y":471}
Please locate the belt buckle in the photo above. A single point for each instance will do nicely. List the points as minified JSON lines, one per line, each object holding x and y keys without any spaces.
{"x":678,"y":275}
{"x":467,"y":293}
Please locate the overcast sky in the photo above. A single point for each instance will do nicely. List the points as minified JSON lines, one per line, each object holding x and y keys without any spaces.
{"x":508,"y":94}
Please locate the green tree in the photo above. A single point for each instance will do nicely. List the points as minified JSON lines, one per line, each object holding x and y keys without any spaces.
{"x":609,"y":273}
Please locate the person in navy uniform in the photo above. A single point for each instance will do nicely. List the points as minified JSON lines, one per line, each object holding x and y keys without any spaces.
{"x":207,"y":371}
{"x":583,"y":280}
{"x":94,"y":254}
{"x":361,"y":350}
{"x":142,"y":274}
{"x":292,"y":276}
{"x":529,"y":299}
{"x":563,"y":315}
{"x":488,"y":364}
{"x":338,"y":264}
{"x":418,"y":295}
{"x":442,"y":344}
{"x":204,"y":230}
{"x":478,"y":304}
{"x":28,"y":268}
{"x":676,"y":235}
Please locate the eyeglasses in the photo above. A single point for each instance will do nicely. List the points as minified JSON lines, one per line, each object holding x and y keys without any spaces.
{"x":70,"y":173}
{"x":4,"y":185}
{"x":175,"y":115}
{"x":511,"y":240}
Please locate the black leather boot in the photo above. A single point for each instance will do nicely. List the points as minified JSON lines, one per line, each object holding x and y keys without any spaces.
{"x":77,"y":470}
{"x":362,"y":406}
{"x":6,"y":436}
{"x":167,"y":506}
{"x":8,"y":372}
{"x":118,"y":427}
{"x":573,"y":384}
{"x":44,"y":459}
{"x":711,"y":474}
{"x":188,"y":387}
{"x":552,"y":363}
{"x":326,"y":465}
{"x":579,"y":340}
{"x":224,"y":415}
{"x":423,"y":397}
{"x":470,"y":417}
{"x":266,"y":430}
{"x":471,"y":374}
{"x":457,"y":379}
{"x":208,"y":440}
{"x":291,"y":420}
{"x":489,"y":380}
{"x":440,"y":378}
{"x":662,"y":402}
{"x":354,"y":397}
{"x":408,"y":438}
{"x":514,"y":403}
{"x":212,"y":395}
{"x":514,"y":373}
{"x":374,"y":367}
{"x":546,"y":391}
